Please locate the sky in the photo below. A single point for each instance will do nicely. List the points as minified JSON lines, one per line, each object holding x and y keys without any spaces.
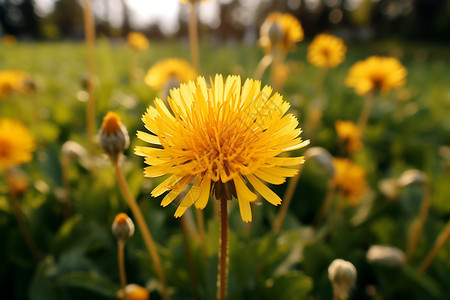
{"x":165,"y":13}
{"x":145,"y":12}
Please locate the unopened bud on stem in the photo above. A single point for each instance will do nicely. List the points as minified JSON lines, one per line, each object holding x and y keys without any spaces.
{"x":114,"y":137}
{"x":122,"y":227}
{"x":342,"y":275}
{"x":322,"y":157}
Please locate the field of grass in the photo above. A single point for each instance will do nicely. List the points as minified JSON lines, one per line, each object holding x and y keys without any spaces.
{"x":409,"y":128}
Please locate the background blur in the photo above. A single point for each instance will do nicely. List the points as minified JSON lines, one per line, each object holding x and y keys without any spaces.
{"x":230,"y":20}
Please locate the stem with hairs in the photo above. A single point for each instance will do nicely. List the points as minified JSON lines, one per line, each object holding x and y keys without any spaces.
{"x":145,"y":231}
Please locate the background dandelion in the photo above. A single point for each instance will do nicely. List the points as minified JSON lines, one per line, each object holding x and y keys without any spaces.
{"x":66,"y":206}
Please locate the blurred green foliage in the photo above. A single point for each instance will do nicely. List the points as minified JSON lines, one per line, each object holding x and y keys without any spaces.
{"x":409,"y":128}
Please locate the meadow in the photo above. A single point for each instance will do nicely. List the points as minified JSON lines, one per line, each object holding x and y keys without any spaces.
{"x":69,"y":208}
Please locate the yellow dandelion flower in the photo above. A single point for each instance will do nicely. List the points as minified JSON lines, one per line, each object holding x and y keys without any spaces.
{"x":219,"y":140}
{"x":13,"y":81}
{"x":350,"y":179}
{"x":376,"y":73}
{"x":281,"y":31}
{"x":171,"y":71}
{"x":17,"y":182}
{"x":350,"y":134}
{"x":16,"y":144}
{"x":9,"y":40}
{"x":137,"y":41}
{"x":326,"y":51}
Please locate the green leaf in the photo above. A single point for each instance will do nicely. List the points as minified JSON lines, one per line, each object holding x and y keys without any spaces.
{"x":42,"y":285}
{"x":91,"y":281}
{"x":290,"y":286}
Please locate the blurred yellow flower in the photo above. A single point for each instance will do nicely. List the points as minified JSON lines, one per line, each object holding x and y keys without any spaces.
{"x":17,"y":182}
{"x":376,"y":73}
{"x":16,"y":144}
{"x":13,"y":81}
{"x":280,"y":31}
{"x":9,"y":40}
{"x":348,"y":132}
{"x":171,"y":71}
{"x":219,"y":140}
{"x":350,"y":180}
{"x":134,"y":292}
{"x":137,"y":41}
{"x":326,"y":51}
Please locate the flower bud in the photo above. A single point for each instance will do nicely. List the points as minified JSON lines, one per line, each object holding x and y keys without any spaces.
{"x":342,"y":275}
{"x":386,"y":256}
{"x":323,"y":157}
{"x":412,"y":177}
{"x":134,"y":292}
{"x":17,"y":182}
{"x":122,"y":227}
{"x":114,"y":137}
{"x":73,"y":150}
{"x":389,"y":187}
{"x":274,"y":33}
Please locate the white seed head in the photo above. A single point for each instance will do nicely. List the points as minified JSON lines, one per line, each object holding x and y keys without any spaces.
{"x":342,"y":275}
{"x":412,"y":177}
{"x":323,"y":157}
{"x":385,"y":255}
{"x":73,"y":150}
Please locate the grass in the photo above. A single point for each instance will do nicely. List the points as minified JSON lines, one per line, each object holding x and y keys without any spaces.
{"x":407,"y":129}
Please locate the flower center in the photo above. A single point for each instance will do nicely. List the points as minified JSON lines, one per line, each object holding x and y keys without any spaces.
{"x":5,"y":148}
{"x":377,"y":81}
{"x":223,"y":149}
{"x":326,"y":53}
{"x":111,"y":123}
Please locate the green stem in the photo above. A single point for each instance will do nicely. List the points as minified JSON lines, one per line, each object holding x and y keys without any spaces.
{"x":365,"y":113}
{"x":417,"y":226}
{"x":292,"y":185}
{"x":187,"y":248}
{"x":440,"y":241}
{"x":193,"y":36}
{"x":90,"y":43}
{"x":122,"y":273}
{"x":145,"y":231}
{"x":223,"y":254}
{"x":23,"y":227}
{"x":316,"y":107}
{"x":262,"y":66}
{"x":325,"y":208}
